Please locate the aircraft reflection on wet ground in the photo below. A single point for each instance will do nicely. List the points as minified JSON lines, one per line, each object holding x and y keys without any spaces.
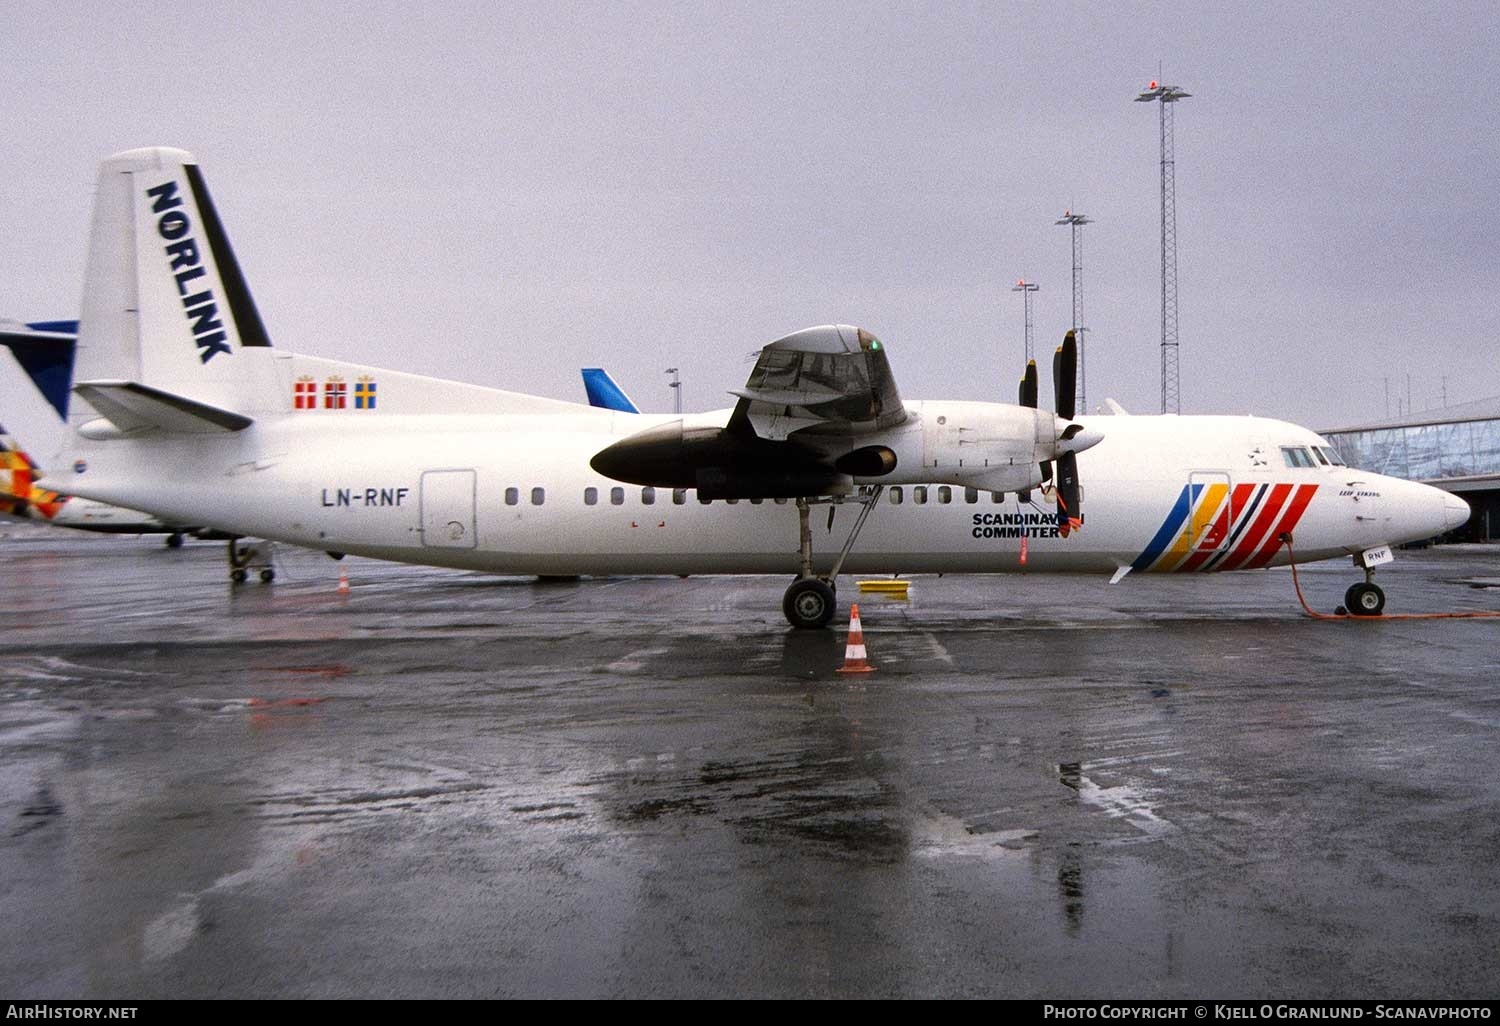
{"x":451,"y":785}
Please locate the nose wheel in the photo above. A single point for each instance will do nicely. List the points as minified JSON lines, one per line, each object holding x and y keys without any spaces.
{"x":1364,"y":599}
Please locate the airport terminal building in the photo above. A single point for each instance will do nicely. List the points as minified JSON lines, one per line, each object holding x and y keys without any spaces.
{"x":1456,"y":448}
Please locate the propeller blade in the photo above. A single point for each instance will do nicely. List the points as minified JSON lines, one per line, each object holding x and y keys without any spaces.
{"x":1028,"y":385}
{"x":1065,"y":377}
{"x":1069,"y":497}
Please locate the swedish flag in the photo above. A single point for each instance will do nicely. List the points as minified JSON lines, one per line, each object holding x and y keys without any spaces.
{"x":364,"y":394}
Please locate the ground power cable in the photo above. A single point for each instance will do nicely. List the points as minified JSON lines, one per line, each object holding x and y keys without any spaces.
{"x":1286,"y":539}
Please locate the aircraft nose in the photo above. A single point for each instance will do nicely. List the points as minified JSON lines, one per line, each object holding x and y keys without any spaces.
{"x":1455,"y":511}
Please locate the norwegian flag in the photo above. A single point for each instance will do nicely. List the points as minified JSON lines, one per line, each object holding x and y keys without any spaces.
{"x":335,"y":393}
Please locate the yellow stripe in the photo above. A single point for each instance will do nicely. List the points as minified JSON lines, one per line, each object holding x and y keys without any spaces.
{"x":1203,"y":515}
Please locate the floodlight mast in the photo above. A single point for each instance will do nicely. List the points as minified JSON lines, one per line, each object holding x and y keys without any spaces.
{"x":1171,"y":393}
{"x":676,"y":386}
{"x":1027,"y":288}
{"x":1075,"y":222}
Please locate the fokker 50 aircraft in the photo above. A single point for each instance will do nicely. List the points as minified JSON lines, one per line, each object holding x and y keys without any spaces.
{"x":188,"y":413}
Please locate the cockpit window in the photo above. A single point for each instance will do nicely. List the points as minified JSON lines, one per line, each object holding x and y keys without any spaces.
{"x":1297,"y":456}
{"x":1331,"y":454}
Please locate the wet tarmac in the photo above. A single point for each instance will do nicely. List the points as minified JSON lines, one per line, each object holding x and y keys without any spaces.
{"x":450,"y":785}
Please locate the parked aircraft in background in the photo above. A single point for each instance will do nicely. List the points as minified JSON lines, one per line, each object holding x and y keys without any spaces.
{"x":604,"y":393}
{"x":45,"y":351}
{"x":187,"y":412}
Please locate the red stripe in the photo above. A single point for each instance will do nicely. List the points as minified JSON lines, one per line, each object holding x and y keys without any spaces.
{"x":1262,"y":524}
{"x":1212,"y":539}
{"x":1288,"y":522}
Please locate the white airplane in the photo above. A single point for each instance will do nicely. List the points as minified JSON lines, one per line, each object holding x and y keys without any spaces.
{"x":188,"y":413}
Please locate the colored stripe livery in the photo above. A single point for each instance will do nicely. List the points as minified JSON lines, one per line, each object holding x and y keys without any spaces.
{"x":1215,"y":527}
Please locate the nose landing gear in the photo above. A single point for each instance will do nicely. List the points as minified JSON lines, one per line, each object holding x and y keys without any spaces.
{"x":1364,"y":599}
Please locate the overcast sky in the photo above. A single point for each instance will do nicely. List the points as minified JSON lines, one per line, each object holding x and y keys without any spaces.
{"x":504,"y":193}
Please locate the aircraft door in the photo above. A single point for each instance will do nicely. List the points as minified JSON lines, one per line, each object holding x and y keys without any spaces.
{"x":1213,"y":512}
{"x":448,"y":509}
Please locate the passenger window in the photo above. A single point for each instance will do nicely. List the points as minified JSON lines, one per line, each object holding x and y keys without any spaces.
{"x":732,"y":501}
{"x":896,"y":495}
{"x":538,"y":496}
{"x":512,"y":496}
{"x":591,"y":496}
{"x":617,"y":496}
{"x":997,"y":497}
{"x":780,"y":500}
{"x":945,"y":494}
{"x":919,"y":495}
{"x":679,"y":496}
{"x":756,"y":502}
{"x":648,"y":496}
{"x":971,"y":495}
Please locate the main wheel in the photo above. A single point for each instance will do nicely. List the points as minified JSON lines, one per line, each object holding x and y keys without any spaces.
{"x":174,"y":540}
{"x":268,"y":575}
{"x":1365,"y":599}
{"x":237,"y":575}
{"x":808,"y":603}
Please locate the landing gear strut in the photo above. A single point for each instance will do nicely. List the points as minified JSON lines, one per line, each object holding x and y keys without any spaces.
{"x":810,"y":601}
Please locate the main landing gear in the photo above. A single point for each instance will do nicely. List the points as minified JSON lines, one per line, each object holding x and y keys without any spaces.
{"x":246,"y":559}
{"x":810,"y":601}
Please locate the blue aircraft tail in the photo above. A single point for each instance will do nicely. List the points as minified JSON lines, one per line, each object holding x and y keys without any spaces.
{"x":44,"y":349}
{"x":604,"y":393}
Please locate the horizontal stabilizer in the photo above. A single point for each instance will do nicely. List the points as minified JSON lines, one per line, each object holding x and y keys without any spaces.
{"x":132,"y":408}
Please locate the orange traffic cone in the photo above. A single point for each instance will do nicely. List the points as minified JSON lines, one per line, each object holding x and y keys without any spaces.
{"x":854,"y":651}
{"x":343,"y":581}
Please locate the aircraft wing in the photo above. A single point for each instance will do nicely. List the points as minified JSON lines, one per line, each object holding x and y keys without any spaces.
{"x":829,"y":379}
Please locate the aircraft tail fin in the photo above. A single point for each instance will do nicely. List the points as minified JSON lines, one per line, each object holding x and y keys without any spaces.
{"x":45,"y":352}
{"x":165,"y":304}
{"x":604,"y":393}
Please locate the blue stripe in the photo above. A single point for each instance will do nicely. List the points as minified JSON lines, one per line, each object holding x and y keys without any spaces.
{"x":1170,"y":529}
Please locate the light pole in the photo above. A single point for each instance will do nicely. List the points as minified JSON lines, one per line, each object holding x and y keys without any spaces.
{"x":676,"y":386}
{"x":1075,"y":222}
{"x":1026,"y":288}
{"x":1171,"y":394}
